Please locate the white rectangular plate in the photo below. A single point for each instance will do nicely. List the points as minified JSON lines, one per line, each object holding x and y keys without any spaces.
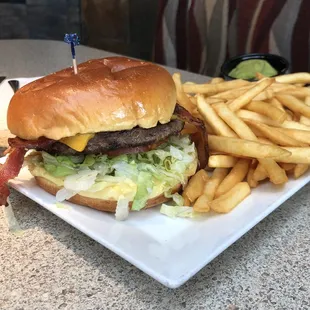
{"x":169,"y":250}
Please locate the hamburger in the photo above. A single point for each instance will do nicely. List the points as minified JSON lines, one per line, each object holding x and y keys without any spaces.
{"x":111,"y":137}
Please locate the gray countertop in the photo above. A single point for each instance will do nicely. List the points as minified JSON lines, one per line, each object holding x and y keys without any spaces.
{"x":54,"y":266}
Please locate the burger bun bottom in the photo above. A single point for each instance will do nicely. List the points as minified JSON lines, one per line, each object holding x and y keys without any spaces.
{"x":99,"y":204}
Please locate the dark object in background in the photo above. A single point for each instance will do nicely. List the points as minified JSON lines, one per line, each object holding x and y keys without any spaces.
{"x":39,"y":19}
{"x":277,"y":62}
{"x":14,"y":84}
{"x":121,"y":26}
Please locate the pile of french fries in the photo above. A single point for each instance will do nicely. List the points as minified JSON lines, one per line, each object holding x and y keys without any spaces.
{"x":258,"y":131}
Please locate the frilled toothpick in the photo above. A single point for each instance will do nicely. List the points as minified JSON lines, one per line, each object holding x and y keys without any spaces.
{"x":73,"y":40}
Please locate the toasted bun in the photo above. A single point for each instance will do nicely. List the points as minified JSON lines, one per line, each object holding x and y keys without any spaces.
{"x":95,"y":203}
{"x":108,"y":94}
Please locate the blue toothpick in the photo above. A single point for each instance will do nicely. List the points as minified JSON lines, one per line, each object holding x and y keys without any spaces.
{"x":73,"y":40}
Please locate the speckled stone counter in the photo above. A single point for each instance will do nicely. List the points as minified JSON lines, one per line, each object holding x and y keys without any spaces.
{"x":54,"y":266}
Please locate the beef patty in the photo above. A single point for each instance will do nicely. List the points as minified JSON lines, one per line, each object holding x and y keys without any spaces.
{"x":119,"y":142}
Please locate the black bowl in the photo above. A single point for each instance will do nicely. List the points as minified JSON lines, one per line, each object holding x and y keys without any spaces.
{"x":279,"y":63}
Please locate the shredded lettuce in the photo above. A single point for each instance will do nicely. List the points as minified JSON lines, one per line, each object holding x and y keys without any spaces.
{"x":145,"y":186}
{"x":64,"y":194}
{"x":178,"y":211}
{"x":62,"y":206}
{"x":177,"y":198}
{"x":11,"y":220}
{"x":162,"y":168}
{"x":81,"y":181}
{"x":122,"y":209}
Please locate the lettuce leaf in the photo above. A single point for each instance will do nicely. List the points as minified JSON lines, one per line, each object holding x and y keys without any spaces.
{"x":145,"y":185}
{"x":122,"y":209}
{"x":155,"y":171}
{"x":178,"y":211}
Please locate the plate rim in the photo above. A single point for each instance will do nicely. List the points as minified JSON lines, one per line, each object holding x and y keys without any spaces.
{"x":170,"y":282}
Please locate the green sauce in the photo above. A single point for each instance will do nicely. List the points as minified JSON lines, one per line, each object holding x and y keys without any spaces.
{"x":246,"y":69}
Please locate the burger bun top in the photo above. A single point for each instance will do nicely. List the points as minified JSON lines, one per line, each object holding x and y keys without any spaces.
{"x":108,"y":94}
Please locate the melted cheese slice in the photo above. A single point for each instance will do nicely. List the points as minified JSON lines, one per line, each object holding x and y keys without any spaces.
{"x":78,"y":142}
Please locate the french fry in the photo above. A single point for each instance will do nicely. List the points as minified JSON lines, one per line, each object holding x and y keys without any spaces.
{"x":236,"y":175}
{"x":300,"y":135}
{"x":209,"y":129}
{"x":232,"y":93}
{"x":218,"y":126}
{"x":277,"y":104}
{"x":217,"y":80}
{"x":257,"y":130}
{"x":300,"y":169}
{"x":193,"y":100}
{"x":222,"y":161}
{"x":300,"y":92}
{"x":247,"y":148}
{"x":278,"y":87}
{"x":245,"y":114}
{"x":182,"y":98}
{"x":294,"y":104}
{"x":307,"y":101}
{"x":294,"y":125}
{"x":299,"y":155}
{"x":202,"y":204}
{"x":196,"y":114}
{"x":253,"y":183}
{"x":296,"y":117}
{"x":287,"y":167}
{"x":231,"y":199}
{"x":195,"y":186}
{"x":274,"y":171}
{"x":215,"y":180}
{"x":276,"y":174}
{"x":264,"y":140}
{"x":212,"y":100}
{"x":186,"y":201}
{"x":293,"y":78}
{"x":214,"y":152}
{"x":267,"y":109}
{"x":245,"y":98}
{"x":260,"y":173}
{"x":274,"y":134}
{"x":240,"y":128}
{"x":213,"y":88}
{"x":268,"y":167}
{"x":305,"y":120}
{"x":289,"y":115}
{"x":259,"y":76}
{"x":264,"y":95}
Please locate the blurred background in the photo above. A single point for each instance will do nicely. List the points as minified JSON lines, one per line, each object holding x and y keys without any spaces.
{"x":195,"y":35}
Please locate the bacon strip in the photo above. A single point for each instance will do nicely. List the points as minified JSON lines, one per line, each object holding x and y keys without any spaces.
{"x":200,"y":138}
{"x":30,"y":144}
{"x":9,"y":170}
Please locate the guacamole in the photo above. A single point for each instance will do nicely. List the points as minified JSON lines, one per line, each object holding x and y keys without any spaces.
{"x":246,"y":69}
